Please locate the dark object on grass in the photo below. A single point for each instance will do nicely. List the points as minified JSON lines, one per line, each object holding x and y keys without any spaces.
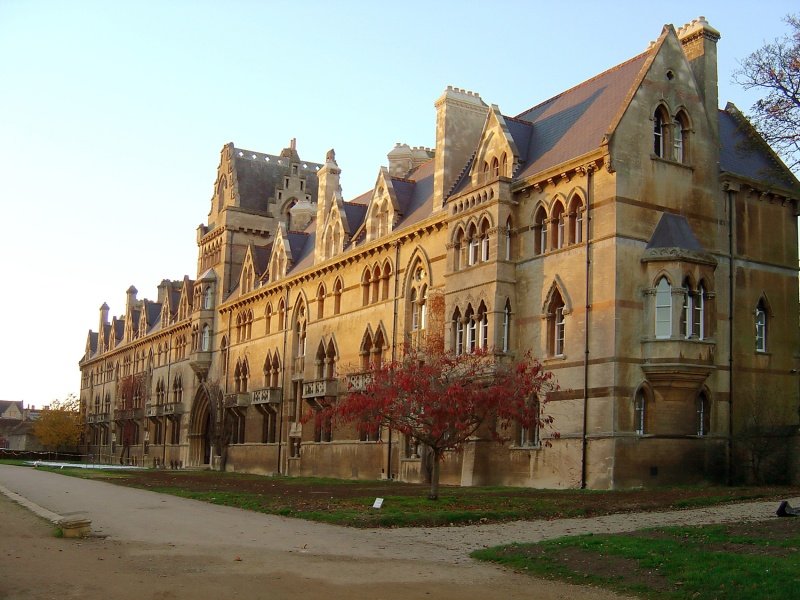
{"x":786,"y":510}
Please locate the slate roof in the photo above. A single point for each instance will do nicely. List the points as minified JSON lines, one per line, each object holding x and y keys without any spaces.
{"x":743,"y":152}
{"x":574,"y":122}
{"x":153,"y":312}
{"x":92,"y":342}
{"x":260,"y":175}
{"x":673,"y":231}
{"x":261,"y":256}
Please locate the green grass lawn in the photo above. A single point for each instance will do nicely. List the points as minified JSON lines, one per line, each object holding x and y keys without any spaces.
{"x":737,"y":561}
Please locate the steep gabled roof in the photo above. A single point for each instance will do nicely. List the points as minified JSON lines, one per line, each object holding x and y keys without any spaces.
{"x":574,"y":122}
{"x":301,"y":246}
{"x":261,"y":256}
{"x":744,"y":152}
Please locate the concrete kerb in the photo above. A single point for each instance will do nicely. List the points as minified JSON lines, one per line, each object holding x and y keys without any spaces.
{"x":71,"y":527}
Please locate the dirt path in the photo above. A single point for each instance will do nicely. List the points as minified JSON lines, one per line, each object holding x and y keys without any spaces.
{"x":163,"y":547}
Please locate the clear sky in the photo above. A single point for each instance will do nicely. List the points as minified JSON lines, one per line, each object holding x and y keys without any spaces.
{"x":114,"y":114}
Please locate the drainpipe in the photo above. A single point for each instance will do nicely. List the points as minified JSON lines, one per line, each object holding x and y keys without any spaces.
{"x":589,"y":183}
{"x":166,"y":392}
{"x":394,"y":345}
{"x":729,"y":193}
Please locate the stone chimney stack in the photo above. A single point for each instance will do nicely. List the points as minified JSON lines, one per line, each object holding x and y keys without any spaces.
{"x":460,"y":117}
{"x":699,"y":41}
{"x":131,"y":301}
{"x":403,"y":159}
{"x":103,"y":319}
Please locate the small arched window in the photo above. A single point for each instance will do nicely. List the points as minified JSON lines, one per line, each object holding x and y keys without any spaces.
{"x":703,"y":414}
{"x":575,"y":210}
{"x":559,"y":226}
{"x":321,"y":301}
{"x":205,"y":340}
{"x":639,"y":412}
{"x":506,"y":342}
{"x":659,"y":131}
{"x":761,"y":326}
{"x":680,"y":137}
{"x":540,"y":231}
{"x":556,"y":324}
{"x":337,"y":297}
{"x":458,"y":333}
{"x":484,"y":236}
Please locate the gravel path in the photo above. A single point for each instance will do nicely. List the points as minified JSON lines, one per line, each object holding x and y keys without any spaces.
{"x":196,"y":535}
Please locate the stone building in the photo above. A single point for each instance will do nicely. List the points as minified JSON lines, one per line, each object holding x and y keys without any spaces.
{"x":639,"y":240}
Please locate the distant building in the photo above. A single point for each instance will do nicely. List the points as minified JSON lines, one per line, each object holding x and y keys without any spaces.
{"x":16,"y":426}
{"x":640,"y":241}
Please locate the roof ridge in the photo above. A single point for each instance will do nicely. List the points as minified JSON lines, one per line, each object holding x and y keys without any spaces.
{"x":583,"y":83}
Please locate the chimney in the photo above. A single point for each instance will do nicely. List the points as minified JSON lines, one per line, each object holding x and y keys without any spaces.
{"x":460,"y":117}
{"x":103,"y":319}
{"x":699,"y":41}
{"x":131,"y":301}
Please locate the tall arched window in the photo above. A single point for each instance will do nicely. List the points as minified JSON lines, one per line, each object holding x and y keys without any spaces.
{"x":337,"y":296}
{"x":680,"y":137}
{"x":761,"y":326}
{"x":663,"y":309}
{"x":507,"y":244}
{"x":472,"y":329}
{"x":472,"y":252}
{"x":223,"y":348}
{"x":366,"y":278}
{"x":483,"y":327}
{"x":687,"y":312}
{"x":703,"y":414}
{"x":699,"y":312}
{"x":208,"y":297}
{"x":575,"y":210}
{"x":321,"y":301}
{"x":205,"y":340}
{"x":559,"y":227}
{"x":458,"y":333}
{"x":484,"y":236}
{"x":540,"y":231}
{"x":639,"y":412}
{"x":458,"y":249}
{"x":555,"y":324}
{"x":659,"y":131}
{"x":506,"y":342}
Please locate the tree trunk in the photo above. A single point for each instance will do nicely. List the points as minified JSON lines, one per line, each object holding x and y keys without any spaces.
{"x":433,"y":494}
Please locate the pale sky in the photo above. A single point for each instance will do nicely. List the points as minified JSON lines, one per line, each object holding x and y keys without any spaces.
{"x":114,"y":114}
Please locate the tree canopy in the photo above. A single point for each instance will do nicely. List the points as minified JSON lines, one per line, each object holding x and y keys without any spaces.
{"x":59,"y":425}
{"x":775,"y":70}
{"x":442,"y":400}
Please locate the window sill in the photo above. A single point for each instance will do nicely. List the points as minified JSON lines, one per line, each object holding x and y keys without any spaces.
{"x":555,"y":358}
{"x":526,"y":448}
{"x":669,"y":161}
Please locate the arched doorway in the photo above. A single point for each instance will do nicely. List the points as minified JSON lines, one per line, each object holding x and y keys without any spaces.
{"x":200,"y":430}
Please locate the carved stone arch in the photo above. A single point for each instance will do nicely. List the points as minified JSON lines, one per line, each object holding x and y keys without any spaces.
{"x":682,"y":111}
{"x":420,"y":254}
{"x":763,"y":299}
{"x":663,"y":106}
{"x":484,"y":151}
{"x":486,"y":216}
{"x":542,"y":204}
{"x":460,"y":225}
{"x":203,"y":418}
{"x":579,"y":191}
{"x":555,"y":200}
{"x":687,"y":274}
{"x":557,"y":284}
{"x":300,"y":300}
{"x":666,"y":275}
{"x":646,"y":388}
{"x":367,"y":336}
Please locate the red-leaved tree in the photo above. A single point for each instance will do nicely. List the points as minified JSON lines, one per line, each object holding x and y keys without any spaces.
{"x":442,"y":399}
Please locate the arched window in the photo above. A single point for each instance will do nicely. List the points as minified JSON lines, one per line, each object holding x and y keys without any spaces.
{"x":506,"y":342}
{"x":205,"y":343}
{"x":680,"y":130}
{"x":575,"y":220}
{"x":484,"y":241}
{"x":663,"y":309}
{"x":365,"y":286}
{"x":700,"y":313}
{"x":703,"y":414}
{"x":495,"y":167}
{"x":177,"y":390}
{"x":222,"y":186}
{"x":687,"y":312}
{"x":540,"y":231}
{"x":555,"y":324}
{"x":458,"y":333}
{"x":504,"y":166}
{"x":223,"y":348}
{"x":472,"y":252}
{"x":483,"y":327}
{"x":337,"y":297}
{"x":376,"y":283}
{"x":559,"y":227}
{"x":281,"y":316}
{"x":321,"y":301}
{"x":208,"y":297}
{"x":458,"y":249}
{"x":268,"y":318}
{"x":761,"y":326}
{"x":639,"y":411}
{"x":472,"y":329}
{"x":385,"y":279}
{"x":507,"y":244}
{"x":659,"y":131}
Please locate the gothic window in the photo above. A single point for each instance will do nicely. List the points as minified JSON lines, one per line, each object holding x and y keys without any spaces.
{"x":472,"y":329}
{"x":639,"y":411}
{"x":761,"y":326}
{"x":281,"y":316}
{"x":504,"y":166}
{"x":663,"y":309}
{"x":241,"y":376}
{"x":540,"y":231}
{"x":205,"y":340}
{"x":321,"y":301}
{"x":376,"y":283}
{"x":177,"y":390}
{"x":458,"y":249}
{"x":703,"y":414}
{"x":687,"y":313}
{"x":507,"y":240}
{"x":484,"y":241}
{"x":555,"y":324}
{"x":659,"y":131}
{"x":575,"y":220}
{"x":559,"y":227}
{"x":366,"y":351}
{"x":337,"y":296}
{"x":365,"y":286}
{"x":506,"y":341}
{"x":700,"y":312}
{"x":530,"y":437}
{"x":385,"y":278}
{"x":268,"y":318}
{"x":160,"y":392}
{"x":495,"y":167}
{"x":223,"y":348}
{"x":483,"y":327}
{"x":222,"y":186}
{"x":208,"y":297}
{"x":472,"y":251}
{"x":458,"y":333}
{"x":680,"y":128}
{"x":269,"y":424}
